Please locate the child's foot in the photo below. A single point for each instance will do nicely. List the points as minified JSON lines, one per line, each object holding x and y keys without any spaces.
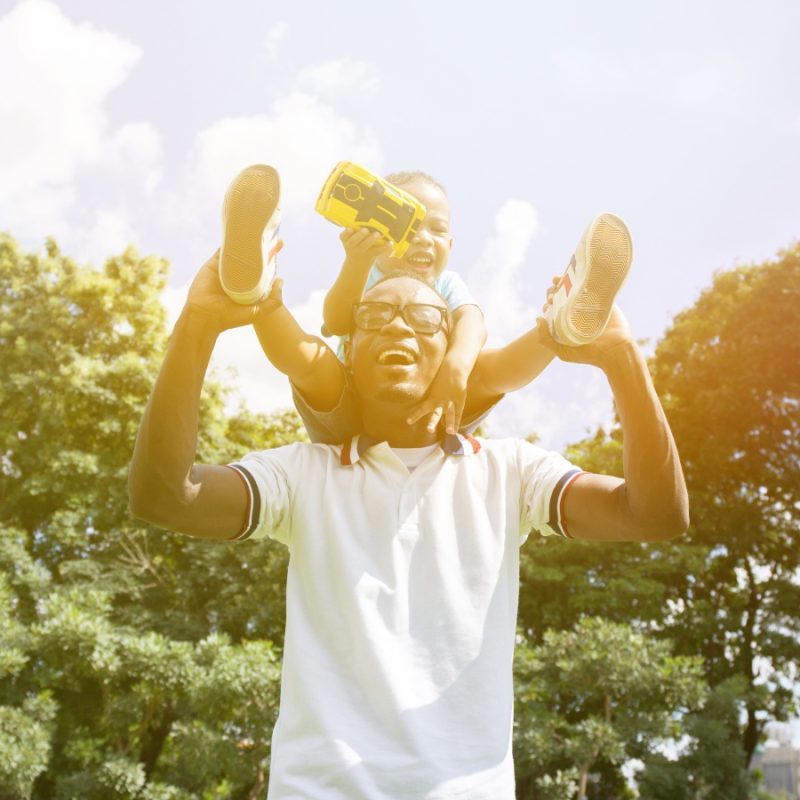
{"x":250,"y":221}
{"x":585,"y":295}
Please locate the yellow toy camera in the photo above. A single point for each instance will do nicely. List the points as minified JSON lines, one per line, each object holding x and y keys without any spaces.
{"x":355,"y":198}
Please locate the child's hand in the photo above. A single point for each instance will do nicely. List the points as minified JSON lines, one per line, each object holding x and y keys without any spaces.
{"x":446,"y":399}
{"x":363,"y":245}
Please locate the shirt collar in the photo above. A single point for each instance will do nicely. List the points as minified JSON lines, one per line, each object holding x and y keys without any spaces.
{"x":453,"y":444}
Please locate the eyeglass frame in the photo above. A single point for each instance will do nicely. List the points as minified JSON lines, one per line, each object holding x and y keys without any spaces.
{"x":444,"y":312}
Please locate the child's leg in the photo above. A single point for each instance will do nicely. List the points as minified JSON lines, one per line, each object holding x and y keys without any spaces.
{"x":309,"y":363}
{"x":251,"y":219}
{"x":505,"y":369}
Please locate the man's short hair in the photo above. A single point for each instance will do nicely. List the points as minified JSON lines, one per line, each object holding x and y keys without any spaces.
{"x":407,"y":273}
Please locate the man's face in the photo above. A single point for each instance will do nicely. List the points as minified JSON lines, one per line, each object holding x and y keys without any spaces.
{"x":395,"y":363}
{"x":429,"y":251}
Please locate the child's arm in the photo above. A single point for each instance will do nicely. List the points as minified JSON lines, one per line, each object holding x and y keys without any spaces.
{"x":306,"y":360}
{"x":448,"y":391}
{"x":505,"y":369}
{"x":362,"y":246}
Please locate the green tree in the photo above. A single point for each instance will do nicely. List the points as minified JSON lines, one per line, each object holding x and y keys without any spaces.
{"x":562,"y":581}
{"x":727,"y":373}
{"x":710,"y":765}
{"x":600,"y":693}
{"x":133,"y":662}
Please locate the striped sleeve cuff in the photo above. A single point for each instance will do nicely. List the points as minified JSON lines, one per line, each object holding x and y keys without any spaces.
{"x":556,"y":520}
{"x":253,"y":513}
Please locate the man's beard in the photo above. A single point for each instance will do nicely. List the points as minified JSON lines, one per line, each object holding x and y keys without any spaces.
{"x":394,"y":393}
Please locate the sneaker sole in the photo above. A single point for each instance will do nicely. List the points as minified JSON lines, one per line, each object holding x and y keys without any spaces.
{"x":607,"y":259}
{"x":249,"y":203}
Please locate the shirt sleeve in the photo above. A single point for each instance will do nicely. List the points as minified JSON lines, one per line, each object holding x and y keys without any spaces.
{"x":373,"y":276}
{"x":268,"y":479}
{"x":452,"y":288}
{"x":545,"y":478}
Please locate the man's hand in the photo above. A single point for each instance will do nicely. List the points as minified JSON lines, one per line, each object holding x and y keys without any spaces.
{"x":617,"y":332}
{"x":363,"y":245}
{"x":445,"y":398}
{"x":207,"y":296}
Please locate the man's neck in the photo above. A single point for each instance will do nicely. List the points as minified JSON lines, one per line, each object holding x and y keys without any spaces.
{"x":387,"y":422}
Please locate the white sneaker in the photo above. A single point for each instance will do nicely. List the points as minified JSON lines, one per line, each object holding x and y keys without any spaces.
{"x":250,"y":222}
{"x":584,"y":298}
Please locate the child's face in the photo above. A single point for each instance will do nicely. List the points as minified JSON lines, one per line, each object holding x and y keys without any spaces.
{"x":430,"y":249}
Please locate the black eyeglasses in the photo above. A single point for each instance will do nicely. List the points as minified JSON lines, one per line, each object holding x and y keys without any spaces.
{"x":372,"y":315}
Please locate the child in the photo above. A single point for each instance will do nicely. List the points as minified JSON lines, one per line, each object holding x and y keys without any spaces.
{"x":470,"y":379}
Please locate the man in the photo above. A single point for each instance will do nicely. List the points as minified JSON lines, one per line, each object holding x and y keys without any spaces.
{"x":404,"y":552}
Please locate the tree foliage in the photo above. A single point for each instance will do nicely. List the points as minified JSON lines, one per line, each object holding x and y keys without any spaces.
{"x":727,"y":372}
{"x":600,"y":692}
{"x":133,"y":663}
{"x":711,"y":764}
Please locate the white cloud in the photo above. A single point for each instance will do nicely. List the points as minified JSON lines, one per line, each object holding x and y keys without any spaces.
{"x":173,"y":298}
{"x":66,"y":171}
{"x":239,"y":360}
{"x":135,"y":148}
{"x":564,"y":403}
{"x":109,"y":232}
{"x":495,"y":277}
{"x":341,"y":75}
{"x":239,"y":354}
{"x":55,"y":78}
{"x":301,"y":135}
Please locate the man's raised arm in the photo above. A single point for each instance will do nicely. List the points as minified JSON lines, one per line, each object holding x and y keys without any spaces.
{"x":165,"y":486}
{"x":651,"y":502}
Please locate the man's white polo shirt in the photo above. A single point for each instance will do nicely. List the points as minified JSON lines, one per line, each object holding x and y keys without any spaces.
{"x":401,"y":607}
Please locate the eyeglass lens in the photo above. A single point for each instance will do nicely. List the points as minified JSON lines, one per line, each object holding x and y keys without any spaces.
{"x":420,"y":317}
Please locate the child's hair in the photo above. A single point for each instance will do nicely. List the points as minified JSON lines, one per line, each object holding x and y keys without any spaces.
{"x":404,"y":178}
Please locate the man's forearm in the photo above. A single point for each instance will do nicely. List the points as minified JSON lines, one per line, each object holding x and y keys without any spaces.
{"x":655,"y":490}
{"x":167,"y":440}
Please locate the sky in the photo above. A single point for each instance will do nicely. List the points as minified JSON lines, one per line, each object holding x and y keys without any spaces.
{"x":124,"y":122}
